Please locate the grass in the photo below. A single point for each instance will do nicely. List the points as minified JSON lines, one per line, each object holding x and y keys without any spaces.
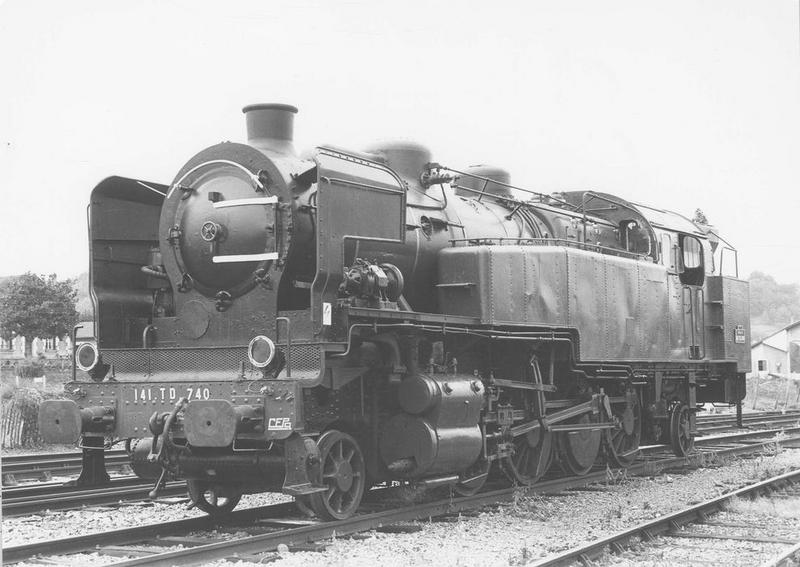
{"x":707,"y":460}
{"x":521,"y":557}
{"x":529,"y":505}
{"x":764,"y":506}
{"x":615,"y":476}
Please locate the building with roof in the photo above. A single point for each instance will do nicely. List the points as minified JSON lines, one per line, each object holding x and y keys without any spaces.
{"x":772,"y":354}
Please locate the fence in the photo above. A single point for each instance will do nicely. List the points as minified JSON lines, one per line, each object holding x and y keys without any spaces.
{"x":19,"y":427}
{"x":773,"y":391}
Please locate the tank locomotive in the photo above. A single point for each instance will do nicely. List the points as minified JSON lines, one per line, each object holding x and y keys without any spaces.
{"x":319,"y":324}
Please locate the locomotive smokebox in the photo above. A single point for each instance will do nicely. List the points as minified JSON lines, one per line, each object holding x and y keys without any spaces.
{"x":270,"y":127}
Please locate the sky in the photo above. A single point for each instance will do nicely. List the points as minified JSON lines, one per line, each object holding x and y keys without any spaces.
{"x":677,"y":104}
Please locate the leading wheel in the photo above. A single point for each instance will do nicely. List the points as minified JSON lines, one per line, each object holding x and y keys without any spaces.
{"x":215,"y":500}
{"x":622,"y":442}
{"x":680,"y":430}
{"x":344,"y":475}
{"x":533,"y":452}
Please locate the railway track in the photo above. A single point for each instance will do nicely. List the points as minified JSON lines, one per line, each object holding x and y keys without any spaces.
{"x":44,"y":466}
{"x":30,"y":499}
{"x":716,"y":423}
{"x":752,"y":416}
{"x":23,"y":500}
{"x":688,"y":534}
{"x":279,"y":524}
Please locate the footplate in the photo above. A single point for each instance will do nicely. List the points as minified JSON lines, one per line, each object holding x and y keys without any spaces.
{"x":303,"y":474}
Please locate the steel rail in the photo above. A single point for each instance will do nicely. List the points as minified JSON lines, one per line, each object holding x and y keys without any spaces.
{"x":754,"y":426}
{"x":722,"y":438}
{"x":647,"y":531}
{"x":89,"y":542}
{"x":318,"y":531}
{"x":786,"y":559}
{"x":31,"y":499}
{"x":740,"y":435}
{"x":42,"y":464}
{"x":41,"y":459}
{"x":70,"y":463}
{"x":269,"y":542}
{"x":754,"y":416}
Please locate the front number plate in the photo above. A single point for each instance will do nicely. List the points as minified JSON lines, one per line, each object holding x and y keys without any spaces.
{"x":170,"y":393}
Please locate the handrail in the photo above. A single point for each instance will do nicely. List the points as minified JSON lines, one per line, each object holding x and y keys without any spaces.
{"x":527,"y":241}
{"x":735,"y":260}
{"x":496,"y":182}
{"x":75,"y":347}
{"x":288,"y":343}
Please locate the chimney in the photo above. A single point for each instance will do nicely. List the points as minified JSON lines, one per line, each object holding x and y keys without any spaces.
{"x":270,"y":127}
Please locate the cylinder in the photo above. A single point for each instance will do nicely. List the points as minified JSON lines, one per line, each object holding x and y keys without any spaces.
{"x":446,"y":400}
{"x":425,"y":451}
{"x":418,"y":394}
{"x":465,"y":183}
{"x":270,"y":127}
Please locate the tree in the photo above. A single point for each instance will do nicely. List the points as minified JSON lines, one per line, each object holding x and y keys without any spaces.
{"x":36,"y":306}
{"x":772,"y":305}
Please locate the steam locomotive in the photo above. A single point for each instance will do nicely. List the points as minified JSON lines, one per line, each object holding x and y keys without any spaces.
{"x":316,"y":325}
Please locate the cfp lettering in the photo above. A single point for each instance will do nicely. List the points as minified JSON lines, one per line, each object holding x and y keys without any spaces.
{"x":279,"y":424}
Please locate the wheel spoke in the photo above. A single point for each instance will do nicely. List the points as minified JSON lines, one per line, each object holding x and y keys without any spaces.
{"x":622,"y":446}
{"x":343,"y":467}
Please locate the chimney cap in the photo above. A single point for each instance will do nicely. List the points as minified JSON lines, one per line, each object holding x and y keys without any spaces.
{"x":270,"y":106}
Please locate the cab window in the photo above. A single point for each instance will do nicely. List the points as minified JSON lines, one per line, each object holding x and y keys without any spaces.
{"x":667,"y":255}
{"x":691,"y":260}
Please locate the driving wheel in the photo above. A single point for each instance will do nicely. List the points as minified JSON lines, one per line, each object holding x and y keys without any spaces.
{"x":680,"y":430}
{"x":533,"y":452}
{"x":622,"y":442}
{"x":579,"y":449}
